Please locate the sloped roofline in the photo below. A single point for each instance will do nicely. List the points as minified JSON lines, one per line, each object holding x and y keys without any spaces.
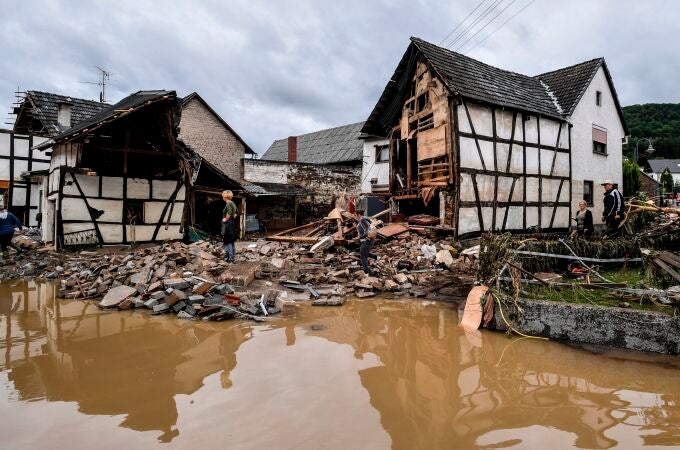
{"x":196,"y":96}
{"x":106,"y":116}
{"x":601,"y":63}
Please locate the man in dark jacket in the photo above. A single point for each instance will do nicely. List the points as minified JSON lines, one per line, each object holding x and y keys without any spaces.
{"x":363,"y":226}
{"x":613,"y":207}
{"x":8,"y":222}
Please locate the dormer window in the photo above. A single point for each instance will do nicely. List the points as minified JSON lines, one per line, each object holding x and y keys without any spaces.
{"x":598,"y":98}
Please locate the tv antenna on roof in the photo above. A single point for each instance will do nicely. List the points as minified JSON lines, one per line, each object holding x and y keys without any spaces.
{"x":105,"y":77}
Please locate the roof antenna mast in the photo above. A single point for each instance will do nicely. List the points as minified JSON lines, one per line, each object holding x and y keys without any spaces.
{"x":102,"y":84}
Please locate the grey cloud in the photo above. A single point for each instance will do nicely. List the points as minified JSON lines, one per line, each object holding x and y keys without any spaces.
{"x":272,"y":69}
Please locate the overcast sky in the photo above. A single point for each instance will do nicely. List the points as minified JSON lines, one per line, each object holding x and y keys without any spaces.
{"x":277,"y":68}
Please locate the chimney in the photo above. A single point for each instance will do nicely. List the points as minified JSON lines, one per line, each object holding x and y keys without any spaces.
{"x":64,"y":114}
{"x":292,"y":148}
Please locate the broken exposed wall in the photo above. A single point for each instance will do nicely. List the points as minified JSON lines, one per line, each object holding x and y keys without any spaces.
{"x":325,"y":181}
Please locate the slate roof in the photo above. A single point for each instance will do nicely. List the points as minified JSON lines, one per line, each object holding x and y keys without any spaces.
{"x":334,"y":145}
{"x":570,"y":83}
{"x":44,"y":107}
{"x":659,"y":165}
{"x":475,"y":79}
{"x":553,"y":94}
{"x":125,"y":106}
{"x":263,"y":189}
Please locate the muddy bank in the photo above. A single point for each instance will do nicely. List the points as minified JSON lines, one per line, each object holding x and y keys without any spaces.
{"x":646,"y":331}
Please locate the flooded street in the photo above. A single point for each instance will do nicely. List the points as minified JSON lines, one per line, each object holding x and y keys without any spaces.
{"x":373,"y":374}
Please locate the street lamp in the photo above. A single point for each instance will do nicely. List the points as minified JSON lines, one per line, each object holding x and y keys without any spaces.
{"x":649,"y":150}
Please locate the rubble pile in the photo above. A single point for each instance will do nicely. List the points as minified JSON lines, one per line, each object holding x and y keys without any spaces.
{"x":193,"y":281}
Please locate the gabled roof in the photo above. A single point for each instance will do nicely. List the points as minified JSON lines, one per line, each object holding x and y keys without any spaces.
{"x":333,"y":145}
{"x":44,"y":106}
{"x":474,"y":79}
{"x":463,"y":76}
{"x":659,"y":165}
{"x":570,"y":83}
{"x":129,"y":104}
{"x":195,"y":96}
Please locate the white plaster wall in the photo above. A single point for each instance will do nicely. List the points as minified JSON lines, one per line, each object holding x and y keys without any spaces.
{"x":656,"y":176}
{"x":137,"y":188}
{"x":265,"y":172}
{"x":372,"y":169}
{"x":586,"y":165}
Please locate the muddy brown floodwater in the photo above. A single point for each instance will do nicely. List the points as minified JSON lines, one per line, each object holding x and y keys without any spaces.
{"x":373,"y":374}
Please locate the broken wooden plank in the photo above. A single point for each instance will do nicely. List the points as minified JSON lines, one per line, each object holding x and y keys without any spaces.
{"x":392,"y":229}
{"x":582,"y":258}
{"x":669,"y":270}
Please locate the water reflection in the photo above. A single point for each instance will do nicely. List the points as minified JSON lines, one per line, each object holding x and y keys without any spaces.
{"x":431,"y":385}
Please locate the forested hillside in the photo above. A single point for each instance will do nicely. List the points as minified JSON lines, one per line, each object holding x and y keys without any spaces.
{"x":659,"y":121}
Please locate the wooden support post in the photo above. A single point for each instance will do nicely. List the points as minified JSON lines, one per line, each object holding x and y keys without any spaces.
{"x":126,"y":148}
{"x":408,"y":164}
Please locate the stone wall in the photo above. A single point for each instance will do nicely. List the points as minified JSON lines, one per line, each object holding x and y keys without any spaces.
{"x":326,"y":182}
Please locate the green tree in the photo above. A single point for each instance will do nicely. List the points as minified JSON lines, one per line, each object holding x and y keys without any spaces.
{"x":666,"y":180}
{"x":631,"y":177}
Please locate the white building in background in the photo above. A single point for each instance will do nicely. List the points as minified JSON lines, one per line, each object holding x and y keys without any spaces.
{"x":375,"y":174}
{"x":655,"y":167}
{"x":586,"y":95}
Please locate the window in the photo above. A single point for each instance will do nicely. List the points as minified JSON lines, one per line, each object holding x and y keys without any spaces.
{"x":588,"y":192}
{"x":599,"y":140}
{"x":423,"y":101}
{"x":382,"y":153}
{"x":134,"y":214}
{"x":598,"y":98}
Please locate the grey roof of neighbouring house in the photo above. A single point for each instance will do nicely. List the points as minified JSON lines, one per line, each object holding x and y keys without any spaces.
{"x":659,"y":165}
{"x":570,"y":83}
{"x":45,"y":105}
{"x":127,"y":105}
{"x":258,"y":189}
{"x":334,"y":145}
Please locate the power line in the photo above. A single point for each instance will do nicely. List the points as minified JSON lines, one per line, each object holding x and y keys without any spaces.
{"x":501,"y":26}
{"x":470,"y":27}
{"x":462,"y":22}
{"x":486,"y":25}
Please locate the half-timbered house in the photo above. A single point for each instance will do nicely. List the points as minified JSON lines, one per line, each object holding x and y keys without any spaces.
{"x":480,"y":147}
{"x":38,"y":116}
{"x":119,"y":176}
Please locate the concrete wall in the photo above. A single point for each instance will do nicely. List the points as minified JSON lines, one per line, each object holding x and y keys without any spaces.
{"x":200,"y":129}
{"x":371,"y":169}
{"x":596,"y":325}
{"x":586,"y":165}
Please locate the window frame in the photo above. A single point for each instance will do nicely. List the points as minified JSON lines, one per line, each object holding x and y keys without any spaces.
{"x":378,"y":149}
{"x":599,"y":144}
{"x":598,"y":98}
{"x":591,"y":187}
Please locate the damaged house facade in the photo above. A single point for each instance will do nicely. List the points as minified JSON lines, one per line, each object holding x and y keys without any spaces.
{"x":487,"y":149}
{"x":302,"y":176}
{"x":120,"y":176}
{"x":38,"y":117}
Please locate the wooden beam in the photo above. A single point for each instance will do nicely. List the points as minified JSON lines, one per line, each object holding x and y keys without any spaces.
{"x":126,"y":149}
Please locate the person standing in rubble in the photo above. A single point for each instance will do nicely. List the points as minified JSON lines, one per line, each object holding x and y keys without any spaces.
{"x":8,"y":222}
{"x":584,"y":220}
{"x":365,"y":238}
{"x":229,"y":233}
{"x":611,"y":214}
